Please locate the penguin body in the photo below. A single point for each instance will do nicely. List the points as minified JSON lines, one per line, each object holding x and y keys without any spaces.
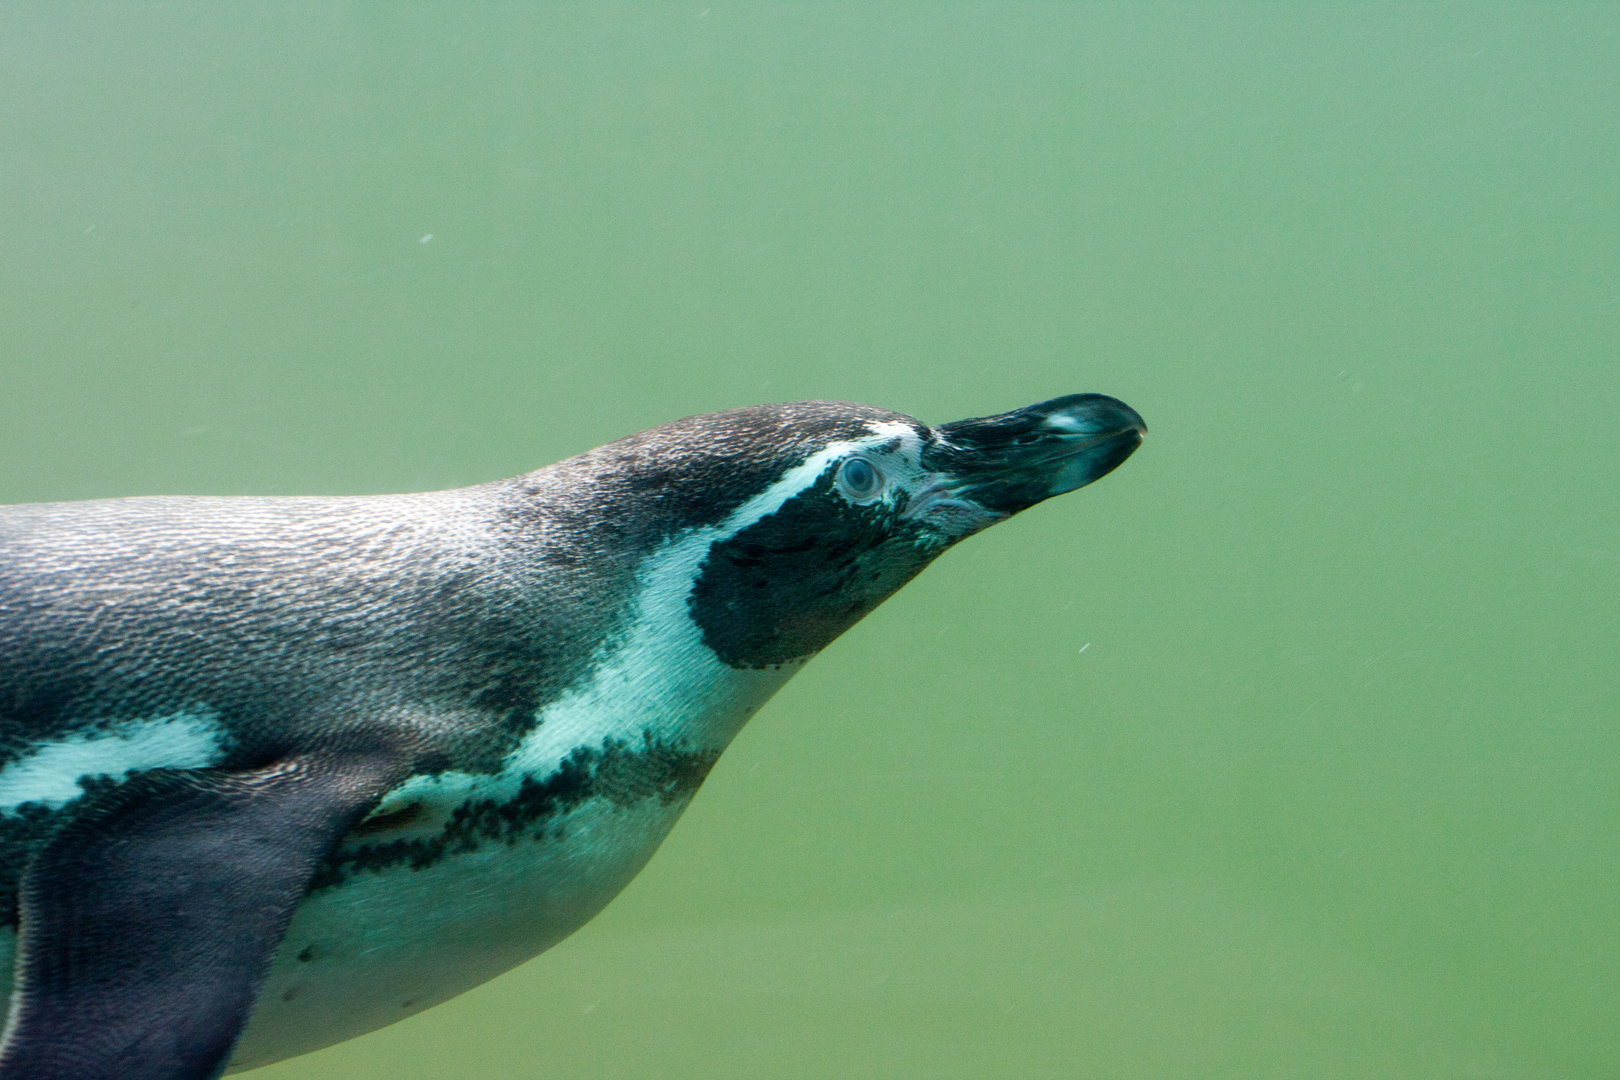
{"x":277,"y":772}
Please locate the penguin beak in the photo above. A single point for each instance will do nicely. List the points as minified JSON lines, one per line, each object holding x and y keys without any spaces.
{"x":1010,"y":462}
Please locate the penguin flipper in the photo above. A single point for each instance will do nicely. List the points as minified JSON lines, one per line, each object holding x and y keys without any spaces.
{"x":149,"y":920}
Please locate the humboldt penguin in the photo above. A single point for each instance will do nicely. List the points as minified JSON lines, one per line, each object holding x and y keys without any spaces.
{"x":275,"y":772}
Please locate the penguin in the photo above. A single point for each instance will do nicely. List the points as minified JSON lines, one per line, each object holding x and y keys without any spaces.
{"x":275,"y":772}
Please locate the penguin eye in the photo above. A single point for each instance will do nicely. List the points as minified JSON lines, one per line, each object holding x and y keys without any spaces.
{"x":859,"y":478}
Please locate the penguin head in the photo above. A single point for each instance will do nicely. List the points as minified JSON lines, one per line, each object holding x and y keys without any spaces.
{"x":799,"y":519}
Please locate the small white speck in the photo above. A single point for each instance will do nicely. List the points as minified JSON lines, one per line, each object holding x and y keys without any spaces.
{"x":425,"y":239}
{"x":90,"y":230}
{"x":1083,"y":648}
{"x":593,"y":1005}
{"x":703,"y":14}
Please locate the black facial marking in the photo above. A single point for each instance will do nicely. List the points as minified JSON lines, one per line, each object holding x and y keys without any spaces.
{"x":616,"y":771}
{"x":789,"y":584}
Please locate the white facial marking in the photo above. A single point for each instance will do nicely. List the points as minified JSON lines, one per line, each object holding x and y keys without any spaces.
{"x":50,"y":774}
{"x":894,"y":450}
{"x":924,"y":494}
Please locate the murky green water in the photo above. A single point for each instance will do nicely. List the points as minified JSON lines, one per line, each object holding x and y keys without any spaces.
{"x":1333,"y":789}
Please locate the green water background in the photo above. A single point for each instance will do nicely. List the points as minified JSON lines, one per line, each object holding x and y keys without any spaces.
{"x":1333,"y":789}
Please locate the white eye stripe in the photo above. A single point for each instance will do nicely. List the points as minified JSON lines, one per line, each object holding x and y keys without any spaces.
{"x":890,"y":455}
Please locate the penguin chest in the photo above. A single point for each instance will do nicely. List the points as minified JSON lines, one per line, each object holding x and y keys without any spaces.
{"x":456,"y":878}
{"x":463,"y":883}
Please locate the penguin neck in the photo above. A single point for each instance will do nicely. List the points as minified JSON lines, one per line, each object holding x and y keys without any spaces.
{"x":656,"y":677}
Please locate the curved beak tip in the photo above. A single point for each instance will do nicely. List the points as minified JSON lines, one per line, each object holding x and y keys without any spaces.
{"x":1093,"y":414}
